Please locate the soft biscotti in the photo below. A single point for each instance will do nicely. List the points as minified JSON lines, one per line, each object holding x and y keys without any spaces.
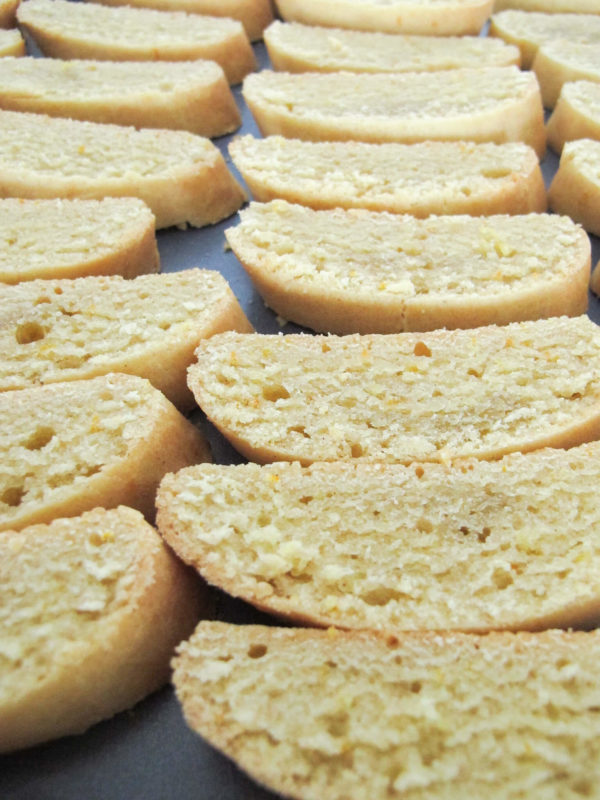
{"x":475,"y":546}
{"x":11,"y":43}
{"x":496,"y":104}
{"x":69,"y":447}
{"x":576,"y":114}
{"x":74,"y":238}
{"x":92,"y":31}
{"x":8,"y":9}
{"x":192,"y":96}
{"x":575,"y":189}
{"x":294,"y":47}
{"x":405,"y":397}
{"x":452,"y":17}
{"x":356,"y":271}
{"x":423,"y":716}
{"x":63,"y":330}
{"x":182,"y":177}
{"x":557,"y":63}
{"x":91,"y":611}
{"x":529,"y":30}
{"x":254,"y":15}
{"x":420,"y":179}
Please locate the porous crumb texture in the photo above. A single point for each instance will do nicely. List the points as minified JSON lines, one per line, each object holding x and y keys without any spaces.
{"x":404,"y":397}
{"x":11,"y":43}
{"x":365,"y":272}
{"x":71,"y":329}
{"x":180,"y":95}
{"x":316,"y":714}
{"x":299,"y":48}
{"x":421,"y":179}
{"x":91,"y":30}
{"x":575,"y":189}
{"x":529,"y":30}
{"x":68,"y":238}
{"x":70,"y":446}
{"x":475,"y":546}
{"x":429,"y":17}
{"x":182,"y":177}
{"x":559,"y":62}
{"x":493,"y":104}
{"x":576,"y":115}
{"x":254,"y":15}
{"x":84,"y":609}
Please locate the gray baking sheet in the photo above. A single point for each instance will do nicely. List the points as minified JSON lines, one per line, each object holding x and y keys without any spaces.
{"x":148,"y":753}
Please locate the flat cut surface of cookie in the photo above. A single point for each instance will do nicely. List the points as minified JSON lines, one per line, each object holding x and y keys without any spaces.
{"x":367,"y":272}
{"x":11,"y":43}
{"x":316,"y":714}
{"x":91,"y":610}
{"x":406,"y":397}
{"x":420,"y":179}
{"x":192,"y":96}
{"x":72,"y":238}
{"x":429,"y":17}
{"x":294,"y":47}
{"x":254,"y":15}
{"x":62,"y":330}
{"x":475,"y":546}
{"x":529,"y":30}
{"x":576,"y":115}
{"x":181,"y":176}
{"x":497,"y":104}
{"x":88,"y":30}
{"x":575,"y":189}
{"x":69,"y":447}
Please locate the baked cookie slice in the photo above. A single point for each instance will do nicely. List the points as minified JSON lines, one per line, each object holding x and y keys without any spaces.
{"x":576,"y":114}
{"x":575,"y":189}
{"x":192,"y":96}
{"x":8,"y":9}
{"x":11,"y":43}
{"x":496,"y":104}
{"x":91,"y":609}
{"x":344,"y":716}
{"x":69,"y":447}
{"x":420,"y":179}
{"x":182,"y":177}
{"x":64,"y":330}
{"x":406,"y":397}
{"x":92,"y":31}
{"x":294,"y":47}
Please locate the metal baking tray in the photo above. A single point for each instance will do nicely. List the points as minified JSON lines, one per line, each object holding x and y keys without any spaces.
{"x":148,"y":753}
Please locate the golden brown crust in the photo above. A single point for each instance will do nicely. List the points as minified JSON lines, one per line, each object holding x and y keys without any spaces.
{"x":8,"y":10}
{"x":116,"y":660}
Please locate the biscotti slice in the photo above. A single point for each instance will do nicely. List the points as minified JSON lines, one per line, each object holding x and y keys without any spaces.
{"x":447,"y":18}
{"x":347,"y":716}
{"x":181,"y":176}
{"x":63,"y":330}
{"x":559,"y":62}
{"x":192,"y":96}
{"x":91,"y":610}
{"x":474,"y":546}
{"x":529,"y":30}
{"x":495,"y":104}
{"x":576,"y":114}
{"x":11,"y":43}
{"x":403,"y":397}
{"x":69,"y":447}
{"x":360,"y":271}
{"x":420,"y":179}
{"x":88,"y":30}
{"x":73,"y":238}
{"x":294,"y":47}
{"x":551,"y":6}
{"x":254,"y":15}
{"x":575,"y":189}
{"x":8,"y":9}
